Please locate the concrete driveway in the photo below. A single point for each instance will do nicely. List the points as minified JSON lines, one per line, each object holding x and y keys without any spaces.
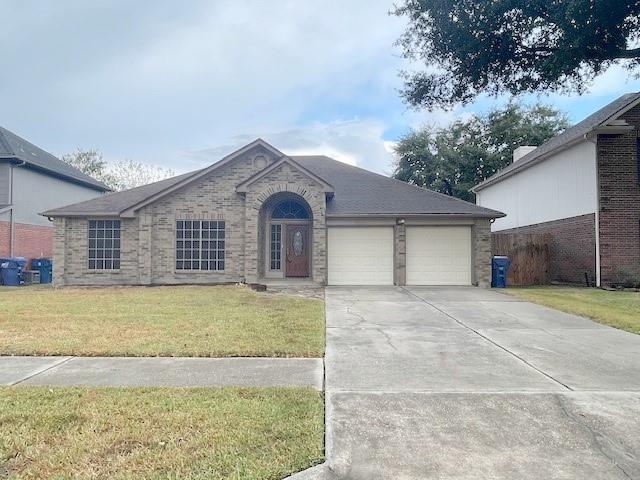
{"x":464,"y":383}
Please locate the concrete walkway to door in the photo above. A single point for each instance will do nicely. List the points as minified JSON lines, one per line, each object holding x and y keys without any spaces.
{"x":467,"y":383}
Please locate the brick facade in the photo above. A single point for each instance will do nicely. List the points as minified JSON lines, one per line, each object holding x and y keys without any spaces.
{"x":619,"y":200}
{"x":29,"y":241}
{"x":572,"y":247}
{"x":148,"y":240}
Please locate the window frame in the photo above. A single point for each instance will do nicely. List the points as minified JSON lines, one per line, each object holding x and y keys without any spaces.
{"x":112,"y":249}
{"x":219,"y":260}
{"x":300,"y":207}
{"x":271,"y":250}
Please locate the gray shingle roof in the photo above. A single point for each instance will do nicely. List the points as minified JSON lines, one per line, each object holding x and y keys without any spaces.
{"x":570,"y":135}
{"x":14,"y":147}
{"x":361,"y":192}
{"x":357,"y":192}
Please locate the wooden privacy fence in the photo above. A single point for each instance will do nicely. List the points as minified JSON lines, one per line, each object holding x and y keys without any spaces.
{"x":529,"y":254}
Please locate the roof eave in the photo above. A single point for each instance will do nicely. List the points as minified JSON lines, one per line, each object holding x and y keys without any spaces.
{"x":413,"y":214}
{"x":57,"y":214}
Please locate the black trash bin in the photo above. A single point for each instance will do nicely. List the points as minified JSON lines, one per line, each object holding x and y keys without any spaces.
{"x":45,"y":267}
{"x":499,"y":269}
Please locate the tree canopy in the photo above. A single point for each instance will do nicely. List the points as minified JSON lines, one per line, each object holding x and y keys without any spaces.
{"x":453,"y":159}
{"x":121,"y":175}
{"x":471,"y":47}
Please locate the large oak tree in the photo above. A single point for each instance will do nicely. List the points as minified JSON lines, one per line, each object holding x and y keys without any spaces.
{"x":471,"y":47}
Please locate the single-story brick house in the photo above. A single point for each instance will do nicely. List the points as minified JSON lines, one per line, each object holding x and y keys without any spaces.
{"x":258,"y":214}
{"x":32,"y":180}
{"x":582,"y":189}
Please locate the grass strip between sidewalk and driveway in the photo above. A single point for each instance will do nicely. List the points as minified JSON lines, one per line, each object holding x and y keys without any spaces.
{"x":190,"y":321}
{"x":144,"y":433}
{"x":616,"y":309}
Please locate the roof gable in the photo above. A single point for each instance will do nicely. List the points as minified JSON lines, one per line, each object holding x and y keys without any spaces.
{"x":244,"y":186}
{"x":256,"y":144}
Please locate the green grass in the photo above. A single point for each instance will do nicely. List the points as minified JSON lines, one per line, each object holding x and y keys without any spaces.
{"x":159,"y":321}
{"x":158,"y":433}
{"x":617,"y":309}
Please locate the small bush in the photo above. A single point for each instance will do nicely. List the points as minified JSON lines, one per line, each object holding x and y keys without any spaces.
{"x":627,"y":277}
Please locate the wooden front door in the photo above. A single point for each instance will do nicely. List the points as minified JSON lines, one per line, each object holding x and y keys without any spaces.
{"x":297,"y":251}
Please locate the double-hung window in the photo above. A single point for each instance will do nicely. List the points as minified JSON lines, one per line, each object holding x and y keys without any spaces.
{"x":200,"y":245}
{"x":104,"y":245}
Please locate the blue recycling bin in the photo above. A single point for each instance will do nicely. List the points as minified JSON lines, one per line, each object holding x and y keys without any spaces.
{"x":10,"y":269}
{"x":45,"y":267}
{"x":499,"y":270}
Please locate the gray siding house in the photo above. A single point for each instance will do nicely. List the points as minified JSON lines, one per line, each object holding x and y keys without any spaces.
{"x":32,"y":181}
{"x":258,"y":214}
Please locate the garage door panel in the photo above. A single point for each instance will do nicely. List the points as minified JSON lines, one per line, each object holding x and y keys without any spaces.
{"x":360,"y":255}
{"x":439,"y":255}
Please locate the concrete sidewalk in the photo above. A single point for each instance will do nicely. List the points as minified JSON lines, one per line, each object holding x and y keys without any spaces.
{"x":162,"y":371}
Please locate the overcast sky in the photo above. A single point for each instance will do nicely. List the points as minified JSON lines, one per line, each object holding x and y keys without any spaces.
{"x":179,"y":84}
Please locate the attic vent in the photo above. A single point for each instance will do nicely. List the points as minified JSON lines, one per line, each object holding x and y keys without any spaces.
{"x":520,"y":152}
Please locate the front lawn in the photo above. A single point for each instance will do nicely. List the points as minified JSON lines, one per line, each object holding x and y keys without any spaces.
{"x":617,"y":309}
{"x":159,"y":433}
{"x":195,"y":321}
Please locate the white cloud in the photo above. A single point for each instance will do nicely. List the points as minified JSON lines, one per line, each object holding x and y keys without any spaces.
{"x":356,"y":142}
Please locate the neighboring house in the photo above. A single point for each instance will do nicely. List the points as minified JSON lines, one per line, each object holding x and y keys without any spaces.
{"x":259,"y":214}
{"x":582,"y":188}
{"x":31,"y":181}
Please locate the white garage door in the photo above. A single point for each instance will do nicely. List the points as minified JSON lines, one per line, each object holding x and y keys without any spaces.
{"x":360,"y":255}
{"x":439,"y":255}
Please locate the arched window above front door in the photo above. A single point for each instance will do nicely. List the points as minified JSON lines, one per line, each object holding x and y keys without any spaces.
{"x":289,"y":209}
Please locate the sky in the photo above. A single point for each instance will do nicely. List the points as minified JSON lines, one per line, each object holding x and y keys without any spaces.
{"x":180,"y":84}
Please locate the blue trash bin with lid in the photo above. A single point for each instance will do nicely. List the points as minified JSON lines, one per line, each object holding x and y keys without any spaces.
{"x":499,"y":270}
{"x":10,"y":269}
{"x":45,"y":267}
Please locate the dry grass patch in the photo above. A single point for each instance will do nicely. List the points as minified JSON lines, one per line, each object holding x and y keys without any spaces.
{"x":201,"y":321}
{"x":617,"y":309}
{"x":159,"y":433}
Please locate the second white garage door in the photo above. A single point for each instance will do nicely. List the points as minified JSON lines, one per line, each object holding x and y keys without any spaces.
{"x":360,"y":255}
{"x":439,"y":255}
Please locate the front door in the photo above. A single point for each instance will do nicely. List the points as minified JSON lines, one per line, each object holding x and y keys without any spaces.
{"x":297,"y":251}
